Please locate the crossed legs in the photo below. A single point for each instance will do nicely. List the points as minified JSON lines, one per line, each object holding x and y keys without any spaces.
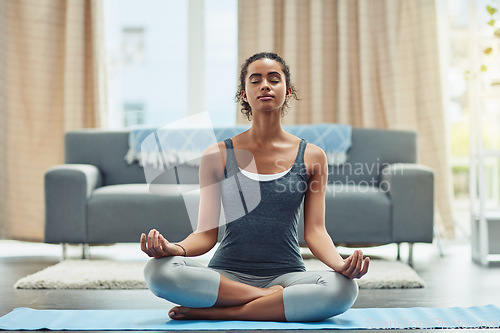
{"x":203,"y":293}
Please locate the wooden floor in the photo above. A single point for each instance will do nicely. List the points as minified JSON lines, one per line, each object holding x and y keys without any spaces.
{"x":453,"y":280}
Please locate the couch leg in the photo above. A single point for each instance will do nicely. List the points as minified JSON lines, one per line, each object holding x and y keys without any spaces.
{"x":64,"y":248}
{"x":410,"y":254}
{"x":398,"y":257}
{"x":438,"y":241}
{"x":85,"y":250}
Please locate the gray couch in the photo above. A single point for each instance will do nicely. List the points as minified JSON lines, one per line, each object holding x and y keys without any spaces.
{"x":379,"y":196}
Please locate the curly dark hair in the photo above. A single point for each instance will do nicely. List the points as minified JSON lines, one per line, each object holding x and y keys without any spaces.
{"x":245,"y":107}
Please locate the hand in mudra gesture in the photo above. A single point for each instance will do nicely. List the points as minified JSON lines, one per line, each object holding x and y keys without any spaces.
{"x":155,"y":245}
{"x":354,"y":266}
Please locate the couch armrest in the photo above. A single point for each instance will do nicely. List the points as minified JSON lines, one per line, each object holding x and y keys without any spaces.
{"x":411,"y":189}
{"x":67,"y":188}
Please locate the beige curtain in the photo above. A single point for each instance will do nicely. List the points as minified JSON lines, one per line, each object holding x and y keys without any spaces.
{"x":51,"y":81}
{"x":367,"y":63}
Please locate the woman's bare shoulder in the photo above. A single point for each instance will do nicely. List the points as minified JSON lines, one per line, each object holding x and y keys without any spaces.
{"x":314,"y":154}
{"x":213,"y":159}
{"x":218,"y":147}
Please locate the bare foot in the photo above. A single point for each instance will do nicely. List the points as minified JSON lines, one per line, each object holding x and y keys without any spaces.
{"x":179,"y":313}
{"x":213,"y":313}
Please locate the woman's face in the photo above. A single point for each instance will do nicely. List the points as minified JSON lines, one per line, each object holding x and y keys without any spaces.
{"x":265,"y":86}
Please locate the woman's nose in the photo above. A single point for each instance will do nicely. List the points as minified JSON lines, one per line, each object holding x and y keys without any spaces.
{"x":265,"y":85}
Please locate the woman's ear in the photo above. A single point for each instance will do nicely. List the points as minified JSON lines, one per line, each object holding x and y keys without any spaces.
{"x":288,"y":93}
{"x":244,"y":96}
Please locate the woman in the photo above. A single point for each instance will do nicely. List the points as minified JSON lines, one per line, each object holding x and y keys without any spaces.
{"x":257,"y":272}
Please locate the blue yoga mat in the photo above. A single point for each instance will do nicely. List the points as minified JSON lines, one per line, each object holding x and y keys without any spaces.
{"x":374,"y":318}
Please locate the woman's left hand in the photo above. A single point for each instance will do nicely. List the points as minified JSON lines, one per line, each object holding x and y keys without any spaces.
{"x":354,"y":266}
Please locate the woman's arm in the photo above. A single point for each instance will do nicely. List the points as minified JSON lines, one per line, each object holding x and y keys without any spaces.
{"x":204,"y":238}
{"x":317,"y":238}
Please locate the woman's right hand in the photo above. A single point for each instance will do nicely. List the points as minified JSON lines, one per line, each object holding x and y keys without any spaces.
{"x":155,"y":245}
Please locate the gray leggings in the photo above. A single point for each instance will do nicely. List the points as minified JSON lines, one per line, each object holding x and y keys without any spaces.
{"x":308,"y":296}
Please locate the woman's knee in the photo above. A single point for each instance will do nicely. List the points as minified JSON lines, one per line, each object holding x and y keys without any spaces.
{"x":331,"y":295}
{"x":161,"y":272}
{"x":341,"y":292}
{"x":182,"y":281}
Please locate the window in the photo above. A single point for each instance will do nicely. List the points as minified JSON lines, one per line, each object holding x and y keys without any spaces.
{"x":470,"y":27}
{"x":176,"y":57}
{"x":133,"y":45}
{"x":133,"y":114}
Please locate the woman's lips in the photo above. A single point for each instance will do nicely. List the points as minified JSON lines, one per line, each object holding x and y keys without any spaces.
{"x":266,"y":98}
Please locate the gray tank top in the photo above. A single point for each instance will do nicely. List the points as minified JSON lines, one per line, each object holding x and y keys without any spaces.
{"x":261,"y":236}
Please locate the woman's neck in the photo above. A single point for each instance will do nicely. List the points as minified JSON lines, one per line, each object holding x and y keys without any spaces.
{"x":266,"y":128}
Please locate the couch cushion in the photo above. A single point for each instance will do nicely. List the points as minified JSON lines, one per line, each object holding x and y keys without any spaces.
{"x":371,"y":151}
{"x":120,"y":213}
{"x":356,"y":214}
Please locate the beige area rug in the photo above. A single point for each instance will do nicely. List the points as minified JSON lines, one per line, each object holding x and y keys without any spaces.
{"x":108,"y":274}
